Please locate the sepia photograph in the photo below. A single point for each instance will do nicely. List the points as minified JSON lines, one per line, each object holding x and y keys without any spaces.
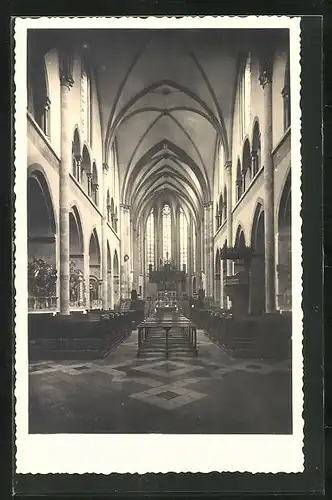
{"x":158,"y":241}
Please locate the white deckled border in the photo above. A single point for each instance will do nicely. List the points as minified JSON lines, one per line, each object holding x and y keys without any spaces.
{"x":123,"y":453}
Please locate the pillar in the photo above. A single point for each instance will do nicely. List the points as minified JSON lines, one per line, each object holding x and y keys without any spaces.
{"x":266,"y":82}
{"x":208,"y":247}
{"x":174,"y":245}
{"x":78,"y":161}
{"x":228,"y":169}
{"x":87,"y":279}
{"x":156,"y":239}
{"x":104,"y":289}
{"x":190,"y":255}
{"x":66,"y":82}
{"x":125,"y":264}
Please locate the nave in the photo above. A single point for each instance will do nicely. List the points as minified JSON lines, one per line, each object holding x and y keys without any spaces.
{"x":208,"y":393}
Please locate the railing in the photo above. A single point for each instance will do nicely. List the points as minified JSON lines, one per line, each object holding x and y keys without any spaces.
{"x":77,"y":304}
{"x":96,"y":304}
{"x":42,"y":303}
{"x":237,"y":279}
{"x":285,"y":301}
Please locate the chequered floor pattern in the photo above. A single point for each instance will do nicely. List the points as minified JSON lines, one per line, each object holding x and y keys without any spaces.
{"x":123,"y":385}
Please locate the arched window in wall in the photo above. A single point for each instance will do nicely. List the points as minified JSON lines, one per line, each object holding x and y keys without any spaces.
{"x":245,"y":97}
{"x":286,"y":98}
{"x":183,"y":240}
{"x":150,"y":254}
{"x":86,"y":102}
{"x":167,"y":232}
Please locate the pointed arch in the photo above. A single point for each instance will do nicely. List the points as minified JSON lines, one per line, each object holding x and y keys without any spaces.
{"x":41,"y":216}
{"x":76,"y":242}
{"x":41,"y":219}
{"x":240,"y":241}
{"x":257,"y":265}
{"x":246,"y":164}
{"x":284,"y":238}
{"x":116,"y":270}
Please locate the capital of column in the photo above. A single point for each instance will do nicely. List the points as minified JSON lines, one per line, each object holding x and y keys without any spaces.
{"x":105,"y":167}
{"x":264,"y":78}
{"x":124,"y":207}
{"x":66,"y":68}
{"x":228,"y":165}
{"x":208,"y":204}
{"x":78,"y":159}
{"x":47,"y":104}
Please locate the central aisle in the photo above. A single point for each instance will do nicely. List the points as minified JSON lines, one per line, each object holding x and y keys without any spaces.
{"x":210,"y":393}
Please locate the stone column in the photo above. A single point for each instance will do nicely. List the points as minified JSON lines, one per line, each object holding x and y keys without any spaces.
{"x":87,"y":279}
{"x":228,"y":169}
{"x":104,"y":290}
{"x":136,"y":260}
{"x":159,"y":237}
{"x":78,"y":160}
{"x":125,"y":250}
{"x":66,"y":82}
{"x":267,"y":161}
{"x":208,"y":247}
{"x":174,"y":244}
{"x":190,"y":254}
{"x":89,"y":176}
{"x":156,"y":239}
{"x":199,"y":256}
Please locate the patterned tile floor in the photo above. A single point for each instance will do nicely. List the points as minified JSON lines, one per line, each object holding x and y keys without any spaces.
{"x":211,"y":393}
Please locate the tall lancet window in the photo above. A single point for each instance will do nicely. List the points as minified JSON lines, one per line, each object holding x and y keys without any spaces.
{"x":150,"y":240}
{"x":167,"y":232}
{"x":85,"y":103}
{"x":183,"y":241}
{"x":245,"y":97}
{"x":194,"y":249}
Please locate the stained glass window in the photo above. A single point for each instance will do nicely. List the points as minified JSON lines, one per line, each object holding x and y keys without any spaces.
{"x":150,"y":240}
{"x":167,"y":232}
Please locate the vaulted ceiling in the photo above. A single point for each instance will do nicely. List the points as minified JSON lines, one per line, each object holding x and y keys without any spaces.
{"x":166,"y":99}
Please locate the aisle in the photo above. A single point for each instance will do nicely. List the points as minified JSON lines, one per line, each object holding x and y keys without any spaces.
{"x":211,"y":393}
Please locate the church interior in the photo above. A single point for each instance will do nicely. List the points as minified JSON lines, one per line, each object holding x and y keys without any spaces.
{"x":159,"y":231}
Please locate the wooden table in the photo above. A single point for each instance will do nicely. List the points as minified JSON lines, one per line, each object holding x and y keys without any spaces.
{"x":167,"y":321}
